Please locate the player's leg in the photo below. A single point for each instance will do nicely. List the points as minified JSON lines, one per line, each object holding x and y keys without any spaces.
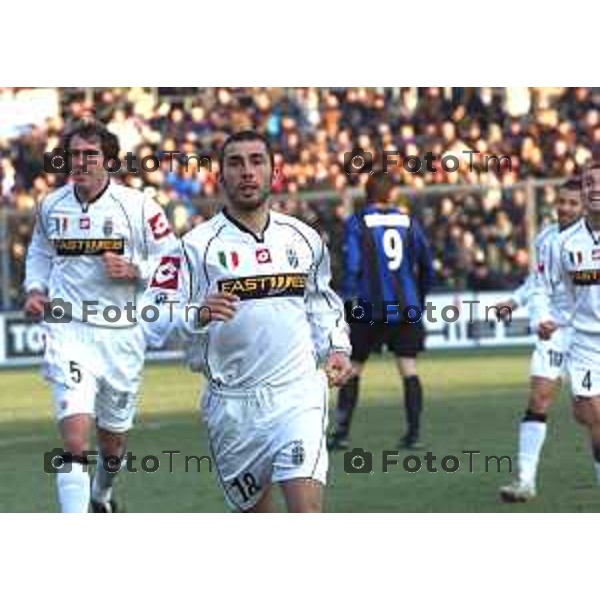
{"x":72,"y":477}
{"x":298,"y":439}
{"x":121,"y":354}
{"x":548,"y":362}
{"x":265,"y":504}
{"x":532,"y":430}
{"x":407,"y":341}
{"x":303,"y":495}
{"x":587,"y":413}
{"x":74,"y":389}
{"x":362,"y":338}
{"x":584,"y":375}
{"x":111,"y":451}
{"x":240,"y":449}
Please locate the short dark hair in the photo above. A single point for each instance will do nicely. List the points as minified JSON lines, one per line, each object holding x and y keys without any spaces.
{"x":247,"y":135}
{"x":378,"y":188}
{"x":88,"y":130}
{"x":573,"y":184}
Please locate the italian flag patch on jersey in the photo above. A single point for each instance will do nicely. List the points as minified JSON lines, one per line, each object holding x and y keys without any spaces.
{"x":229,"y":260}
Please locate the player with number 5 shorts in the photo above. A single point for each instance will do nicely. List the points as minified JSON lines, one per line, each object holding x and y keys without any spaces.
{"x":94,"y":246}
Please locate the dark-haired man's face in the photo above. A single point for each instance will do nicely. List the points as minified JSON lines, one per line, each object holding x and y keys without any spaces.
{"x":247,"y":174}
{"x":569,"y":207}
{"x":591,"y":189}
{"x":87,"y":160}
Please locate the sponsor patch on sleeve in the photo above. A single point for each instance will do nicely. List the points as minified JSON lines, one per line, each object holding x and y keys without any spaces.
{"x":166,"y":276}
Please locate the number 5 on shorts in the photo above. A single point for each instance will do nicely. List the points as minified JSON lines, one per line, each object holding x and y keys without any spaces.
{"x":75,"y":371}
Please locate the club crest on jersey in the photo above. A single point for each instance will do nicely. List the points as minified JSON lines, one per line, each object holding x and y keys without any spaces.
{"x":84,"y":223}
{"x":596,"y":254}
{"x":108,"y":227}
{"x":263,"y":256}
{"x":166,"y":276}
{"x":292,"y":257}
{"x":576,"y":258}
{"x":229,"y":260}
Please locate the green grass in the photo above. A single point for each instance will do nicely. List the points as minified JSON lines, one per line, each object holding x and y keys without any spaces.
{"x":473,"y":401}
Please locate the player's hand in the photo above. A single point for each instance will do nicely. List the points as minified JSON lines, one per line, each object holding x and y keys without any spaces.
{"x":546,"y":329}
{"x":34,"y":305}
{"x":505,"y":309}
{"x":118,"y":268}
{"x":339,"y":369}
{"x":221,"y":306}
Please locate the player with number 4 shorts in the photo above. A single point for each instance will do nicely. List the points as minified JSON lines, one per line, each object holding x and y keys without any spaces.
{"x":574,"y":262}
{"x":549,"y":358}
{"x":94,"y":246}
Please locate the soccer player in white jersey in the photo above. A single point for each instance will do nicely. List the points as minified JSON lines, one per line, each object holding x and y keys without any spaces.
{"x":548,"y":362}
{"x":575,"y":263}
{"x":269,"y":322}
{"x":94,"y":245}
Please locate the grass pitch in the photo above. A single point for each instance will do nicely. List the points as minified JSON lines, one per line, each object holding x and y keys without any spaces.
{"x":473,"y":401}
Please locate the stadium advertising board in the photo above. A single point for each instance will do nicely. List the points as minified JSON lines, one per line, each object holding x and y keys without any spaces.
{"x":458,"y":320}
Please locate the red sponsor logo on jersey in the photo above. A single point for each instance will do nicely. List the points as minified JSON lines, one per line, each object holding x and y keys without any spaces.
{"x":159,"y":225}
{"x":263,"y":256}
{"x":166,"y":275}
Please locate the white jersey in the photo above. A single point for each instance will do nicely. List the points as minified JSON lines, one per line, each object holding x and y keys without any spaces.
{"x":64,"y":258}
{"x":558,"y":301}
{"x":574,"y":263}
{"x":288,"y":319}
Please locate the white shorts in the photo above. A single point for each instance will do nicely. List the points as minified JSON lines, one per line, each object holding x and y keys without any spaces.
{"x":95,"y":371}
{"x":584,"y":365}
{"x":267,"y":435}
{"x":549,"y":358}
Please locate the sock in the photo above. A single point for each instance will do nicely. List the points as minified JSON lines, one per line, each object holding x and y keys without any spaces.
{"x":347,"y":401}
{"x":413,"y":401}
{"x":532,"y":434}
{"x":73,"y":489}
{"x":102,"y":484}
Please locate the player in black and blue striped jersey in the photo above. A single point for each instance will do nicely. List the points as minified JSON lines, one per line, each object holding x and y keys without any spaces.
{"x":388,"y":272}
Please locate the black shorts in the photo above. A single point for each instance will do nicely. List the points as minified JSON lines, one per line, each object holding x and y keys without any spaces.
{"x":405,"y":340}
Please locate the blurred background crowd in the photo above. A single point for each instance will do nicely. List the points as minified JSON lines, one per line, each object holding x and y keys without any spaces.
{"x":479,"y":234}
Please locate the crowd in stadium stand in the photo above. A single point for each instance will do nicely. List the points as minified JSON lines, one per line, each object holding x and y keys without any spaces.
{"x":479,"y":238}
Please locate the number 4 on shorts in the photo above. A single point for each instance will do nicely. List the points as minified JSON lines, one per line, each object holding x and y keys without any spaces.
{"x":587,"y":381}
